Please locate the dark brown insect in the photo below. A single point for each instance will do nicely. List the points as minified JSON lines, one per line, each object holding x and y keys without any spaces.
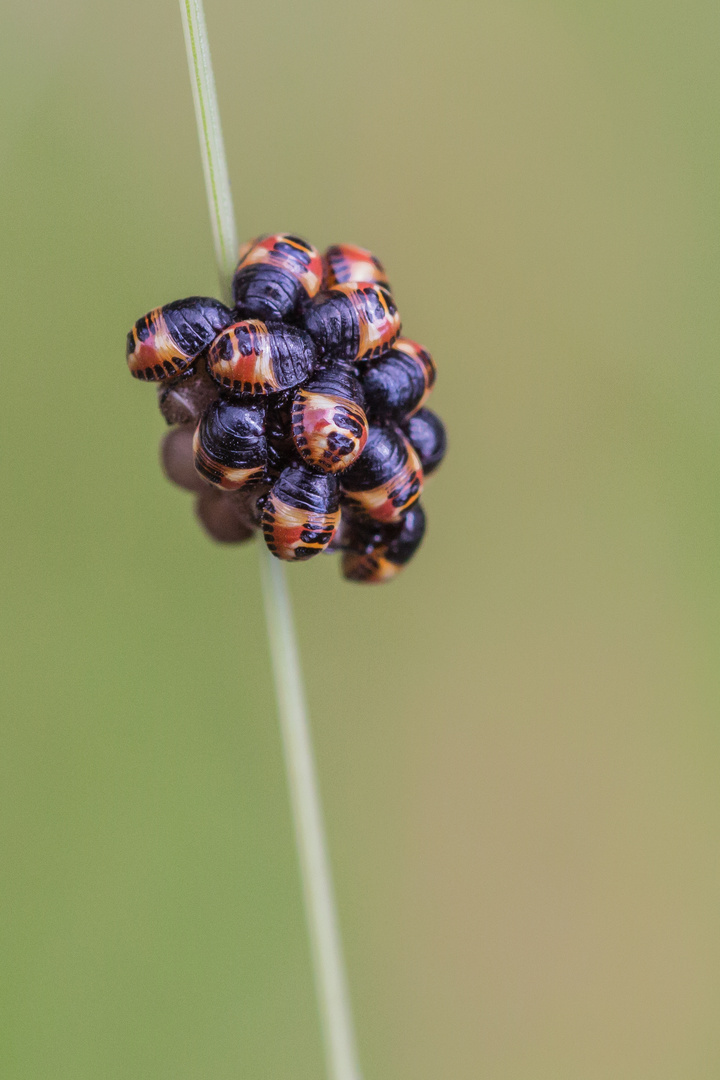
{"x":229,"y":444}
{"x":301,"y":513}
{"x":329,"y":425}
{"x":386,"y":479}
{"x":426,"y":433}
{"x":346,"y":262}
{"x":272,"y":273}
{"x":254,"y":357}
{"x":169,"y":339}
{"x":397,"y":385}
{"x":388,"y":552}
{"x":353,"y":322}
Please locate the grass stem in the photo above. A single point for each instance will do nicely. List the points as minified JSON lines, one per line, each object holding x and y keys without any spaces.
{"x":326,"y":949}
{"x":212,"y":147}
{"x":309,"y":832}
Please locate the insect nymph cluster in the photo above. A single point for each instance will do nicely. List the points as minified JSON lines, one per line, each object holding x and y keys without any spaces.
{"x":300,"y":411}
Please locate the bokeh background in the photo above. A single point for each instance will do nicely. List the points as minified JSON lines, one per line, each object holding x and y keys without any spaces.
{"x":517,"y":741}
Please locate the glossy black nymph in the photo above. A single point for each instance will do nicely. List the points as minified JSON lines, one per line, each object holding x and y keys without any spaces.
{"x":230,"y":444}
{"x":426,"y":433}
{"x":397,"y":384}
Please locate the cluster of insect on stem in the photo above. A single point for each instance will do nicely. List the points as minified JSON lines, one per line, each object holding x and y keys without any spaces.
{"x":300,"y":410}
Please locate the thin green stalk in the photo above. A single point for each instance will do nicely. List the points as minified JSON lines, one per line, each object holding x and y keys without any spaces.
{"x":320,"y":906}
{"x":328,"y":965}
{"x":212,"y":147}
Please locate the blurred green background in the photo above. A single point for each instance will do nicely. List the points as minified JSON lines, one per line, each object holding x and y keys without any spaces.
{"x":517,"y":741}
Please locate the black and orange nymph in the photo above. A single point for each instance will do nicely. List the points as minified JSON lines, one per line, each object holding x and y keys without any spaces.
{"x":169,"y":339}
{"x":299,"y":413}
{"x":301,"y":513}
{"x":344,"y":263}
{"x":254,"y":357}
{"x":386,"y":479}
{"x":398,"y":384}
{"x":353,"y":321}
{"x":273,"y":273}
{"x":380,"y":556}
{"x":230,"y":446}
{"x":329,"y":425}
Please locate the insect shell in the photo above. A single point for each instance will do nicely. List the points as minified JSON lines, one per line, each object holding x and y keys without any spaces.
{"x":167,"y":340}
{"x":254,"y":357}
{"x":345,"y":262}
{"x":301,"y":513}
{"x":226,"y":516}
{"x":386,"y":479}
{"x":383,"y":558}
{"x":397,"y":385}
{"x":272,"y":273}
{"x":329,"y":425}
{"x":426,"y":433}
{"x":184,"y":400}
{"x":229,"y":444}
{"x":354,"y":321}
{"x":178,"y":460}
